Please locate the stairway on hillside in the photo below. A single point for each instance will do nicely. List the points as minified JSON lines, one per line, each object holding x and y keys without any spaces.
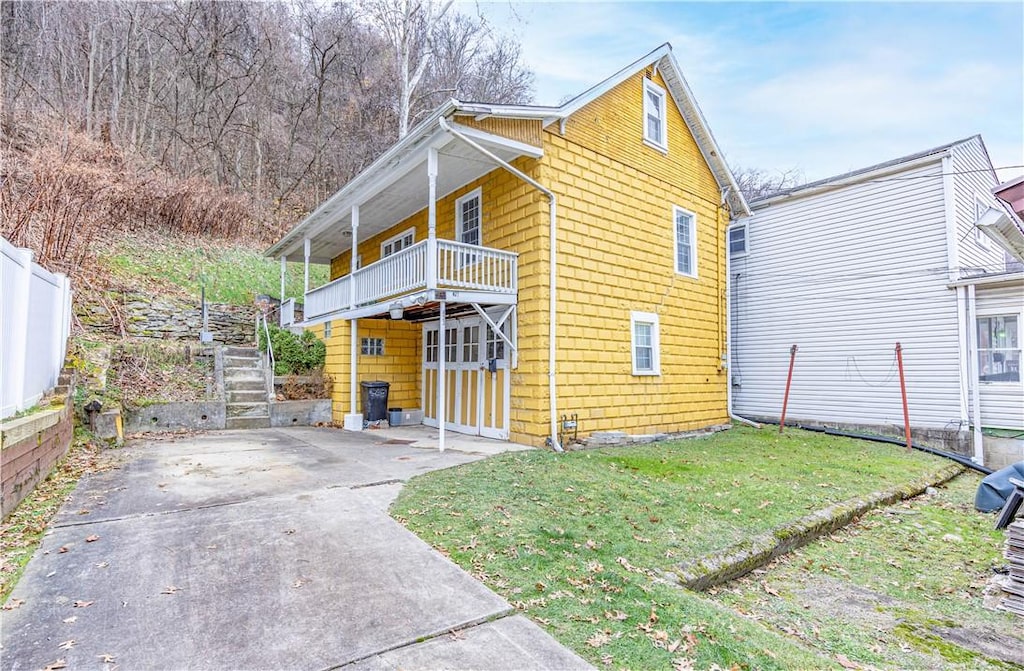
{"x":245,"y":389}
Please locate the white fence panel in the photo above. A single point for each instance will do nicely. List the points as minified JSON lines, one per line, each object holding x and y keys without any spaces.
{"x":35,"y":320}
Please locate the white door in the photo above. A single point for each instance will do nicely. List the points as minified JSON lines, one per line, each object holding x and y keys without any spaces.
{"x":477,"y":380}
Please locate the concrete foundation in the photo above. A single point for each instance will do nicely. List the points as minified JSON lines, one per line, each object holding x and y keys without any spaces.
{"x":211,"y":415}
{"x":1001,"y":452}
{"x":300,"y":413}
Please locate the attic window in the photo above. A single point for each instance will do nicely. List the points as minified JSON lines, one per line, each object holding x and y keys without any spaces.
{"x":655,"y":132}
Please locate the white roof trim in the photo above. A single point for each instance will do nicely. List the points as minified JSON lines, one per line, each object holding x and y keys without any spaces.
{"x":498,"y":140}
{"x":1007,"y":233}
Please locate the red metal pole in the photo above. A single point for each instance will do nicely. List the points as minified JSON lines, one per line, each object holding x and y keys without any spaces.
{"x":903,"y":391}
{"x":789,"y":381}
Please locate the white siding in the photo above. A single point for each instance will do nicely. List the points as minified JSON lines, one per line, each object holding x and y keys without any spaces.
{"x":1002,"y":403}
{"x":845,"y":275}
{"x":973,"y":179}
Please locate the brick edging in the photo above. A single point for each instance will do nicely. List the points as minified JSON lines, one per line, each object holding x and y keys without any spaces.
{"x":742,"y":558}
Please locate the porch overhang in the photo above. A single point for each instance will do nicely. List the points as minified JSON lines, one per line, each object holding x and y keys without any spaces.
{"x":421,"y":306}
{"x":395,"y":187}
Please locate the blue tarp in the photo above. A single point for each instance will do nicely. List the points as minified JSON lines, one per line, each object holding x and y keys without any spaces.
{"x":996,"y":488}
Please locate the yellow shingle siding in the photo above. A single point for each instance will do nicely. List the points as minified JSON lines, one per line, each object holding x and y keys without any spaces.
{"x":617,"y":255}
{"x":528,"y":131}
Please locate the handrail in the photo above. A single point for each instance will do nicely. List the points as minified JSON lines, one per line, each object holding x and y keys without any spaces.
{"x":262,"y":318}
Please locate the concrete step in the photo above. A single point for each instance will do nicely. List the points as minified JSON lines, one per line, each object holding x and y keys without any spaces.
{"x":261,"y":409}
{"x":245,"y":385}
{"x":231,"y":362}
{"x":246,"y":395}
{"x":247,"y":422}
{"x":240,"y":374}
{"x":241,"y":351}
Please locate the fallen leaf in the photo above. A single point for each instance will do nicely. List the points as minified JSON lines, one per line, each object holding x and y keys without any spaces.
{"x":102,"y":564}
{"x":70,"y":620}
{"x":289,"y":531}
{"x":106,"y":659}
{"x":615,"y":615}
{"x":598,"y":639}
{"x":92,"y":539}
{"x":768,"y":589}
{"x":737,"y":511}
{"x":59,"y":664}
{"x":763,"y":505}
{"x":67,"y":645}
{"x":170,"y":589}
{"x":845,"y":662}
{"x":682,"y":664}
{"x":63,"y":549}
{"x":590,"y":544}
{"x":82,"y":604}
{"x":13,"y":603}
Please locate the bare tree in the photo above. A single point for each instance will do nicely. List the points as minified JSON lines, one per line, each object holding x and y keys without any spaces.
{"x":756,"y":184}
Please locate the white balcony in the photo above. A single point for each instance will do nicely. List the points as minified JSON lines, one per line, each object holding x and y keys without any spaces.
{"x":456,"y":267}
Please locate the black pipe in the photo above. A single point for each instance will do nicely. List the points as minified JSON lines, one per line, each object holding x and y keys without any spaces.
{"x":958,"y":458}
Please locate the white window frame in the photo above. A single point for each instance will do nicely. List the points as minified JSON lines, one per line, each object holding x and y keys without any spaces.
{"x":475,"y":193}
{"x":651,"y":319}
{"x":746,"y":240}
{"x":390,"y":242}
{"x":676,"y":211}
{"x":1019,"y":348}
{"x":661,"y":143}
{"x":370,"y":346}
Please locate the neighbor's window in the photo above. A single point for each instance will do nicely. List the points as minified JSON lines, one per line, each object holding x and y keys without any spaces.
{"x":654,"y":115}
{"x":646,"y":344}
{"x":686,"y":241}
{"x":397,"y":243}
{"x":372,"y":347}
{"x":738,"y":240}
{"x":999,"y":348}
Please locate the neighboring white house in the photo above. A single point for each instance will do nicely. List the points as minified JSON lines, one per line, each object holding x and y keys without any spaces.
{"x":846,"y":267}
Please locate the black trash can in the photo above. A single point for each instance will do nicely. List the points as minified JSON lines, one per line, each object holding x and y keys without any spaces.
{"x":375,"y":400}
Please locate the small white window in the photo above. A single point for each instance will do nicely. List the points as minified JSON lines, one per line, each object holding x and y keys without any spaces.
{"x":738,"y":240}
{"x":467,"y":218}
{"x":372,"y":347}
{"x":686,"y":241}
{"x":432,"y":342}
{"x":999,"y":348}
{"x":451,"y":350}
{"x":397,"y":243}
{"x":470,"y":344}
{"x":327,"y":330}
{"x":646,"y":343}
{"x":654,"y":115}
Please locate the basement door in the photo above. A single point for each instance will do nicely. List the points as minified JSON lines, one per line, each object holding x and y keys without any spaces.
{"x":477,"y":379}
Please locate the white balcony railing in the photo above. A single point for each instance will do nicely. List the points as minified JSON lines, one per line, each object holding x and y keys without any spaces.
{"x":287,"y":316}
{"x":458,"y":266}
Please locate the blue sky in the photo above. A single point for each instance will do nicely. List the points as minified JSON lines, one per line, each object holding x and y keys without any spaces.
{"x":820,"y":87}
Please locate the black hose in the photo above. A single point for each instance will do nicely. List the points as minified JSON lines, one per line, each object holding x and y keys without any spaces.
{"x":958,"y":458}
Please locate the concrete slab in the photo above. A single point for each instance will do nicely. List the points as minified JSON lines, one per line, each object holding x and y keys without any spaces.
{"x":312,"y":580}
{"x":508,"y":644}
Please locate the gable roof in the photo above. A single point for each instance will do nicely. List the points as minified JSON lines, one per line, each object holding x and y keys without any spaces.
{"x":373,"y":179}
{"x":862,"y":174}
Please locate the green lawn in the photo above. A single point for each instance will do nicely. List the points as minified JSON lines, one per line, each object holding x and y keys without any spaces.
{"x":884,"y":590}
{"x":232,"y":274}
{"x":578,"y":540}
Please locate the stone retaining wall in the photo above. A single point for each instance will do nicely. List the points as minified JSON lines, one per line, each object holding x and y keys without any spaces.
{"x":145,"y":317}
{"x":29,"y":448}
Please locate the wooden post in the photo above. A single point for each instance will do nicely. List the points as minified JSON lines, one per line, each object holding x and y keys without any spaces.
{"x":789,"y":381}
{"x":903,"y":392}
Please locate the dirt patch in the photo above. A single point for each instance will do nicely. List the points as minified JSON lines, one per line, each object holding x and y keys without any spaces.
{"x":989,"y":643}
{"x":829,"y":596}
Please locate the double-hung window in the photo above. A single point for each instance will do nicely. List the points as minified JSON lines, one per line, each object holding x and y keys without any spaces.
{"x":738,"y":240}
{"x":685,"y":224}
{"x":645,"y":343}
{"x":397,"y":243}
{"x":999,"y":348}
{"x":655,"y":131}
{"x":467,"y":218}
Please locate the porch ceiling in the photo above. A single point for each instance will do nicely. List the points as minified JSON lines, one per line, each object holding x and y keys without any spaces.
{"x":399,"y":191}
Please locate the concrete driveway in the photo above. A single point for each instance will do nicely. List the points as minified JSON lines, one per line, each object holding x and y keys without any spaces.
{"x":266,"y":549}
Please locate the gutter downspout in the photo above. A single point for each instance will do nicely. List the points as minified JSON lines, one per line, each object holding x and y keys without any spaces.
{"x":972,"y":362}
{"x":552,"y":261}
{"x":728,"y":327}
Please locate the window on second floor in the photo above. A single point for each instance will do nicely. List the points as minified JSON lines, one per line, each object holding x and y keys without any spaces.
{"x":738,"y":240}
{"x":467,"y":218}
{"x":397,"y":243}
{"x":999,"y":348}
{"x":686,"y":241}
{"x":655,"y":131}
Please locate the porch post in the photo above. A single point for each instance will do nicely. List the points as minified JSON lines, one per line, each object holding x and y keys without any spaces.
{"x":354,"y":419}
{"x":442,"y":397}
{"x":284,"y":270}
{"x":305,"y":269}
{"x":432,"y":224}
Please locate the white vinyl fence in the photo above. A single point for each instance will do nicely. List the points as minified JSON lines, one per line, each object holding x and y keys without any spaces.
{"x":35,"y":320}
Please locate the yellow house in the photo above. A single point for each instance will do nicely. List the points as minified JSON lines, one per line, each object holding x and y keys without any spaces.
{"x":506,"y":267}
